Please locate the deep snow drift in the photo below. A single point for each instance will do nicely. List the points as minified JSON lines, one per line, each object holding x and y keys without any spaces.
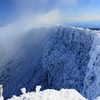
{"x":55,"y":57}
{"x":63,"y":94}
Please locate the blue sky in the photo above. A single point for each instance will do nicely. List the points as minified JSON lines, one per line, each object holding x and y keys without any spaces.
{"x":51,"y":11}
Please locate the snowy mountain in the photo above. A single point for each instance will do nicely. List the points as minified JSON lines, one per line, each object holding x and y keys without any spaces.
{"x":54,"y":57}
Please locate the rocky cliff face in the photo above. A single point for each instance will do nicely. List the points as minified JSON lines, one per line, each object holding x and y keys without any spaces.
{"x":54,"y":57}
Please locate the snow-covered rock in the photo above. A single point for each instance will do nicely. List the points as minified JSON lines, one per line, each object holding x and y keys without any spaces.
{"x":66,"y":56}
{"x":38,"y":88}
{"x":23,"y":90}
{"x":63,"y":94}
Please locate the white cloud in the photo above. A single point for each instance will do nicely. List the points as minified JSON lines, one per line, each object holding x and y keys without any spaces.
{"x":26,"y":22}
{"x":52,"y":17}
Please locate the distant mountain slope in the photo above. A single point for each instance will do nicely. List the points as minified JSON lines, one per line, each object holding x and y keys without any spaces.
{"x":85,"y":24}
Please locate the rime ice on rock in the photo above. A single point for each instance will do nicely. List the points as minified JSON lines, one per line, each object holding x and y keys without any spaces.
{"x":38,"y":88}
{"x":23,"y":90}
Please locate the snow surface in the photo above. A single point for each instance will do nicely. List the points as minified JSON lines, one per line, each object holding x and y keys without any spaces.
{"x":54,"y":57}
{"x":50,"y":94}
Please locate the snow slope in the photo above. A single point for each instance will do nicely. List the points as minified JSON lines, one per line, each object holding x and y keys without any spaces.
{"x":54,"y":57}
{"x":63,"y":94}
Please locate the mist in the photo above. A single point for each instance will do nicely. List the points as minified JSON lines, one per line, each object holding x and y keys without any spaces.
{"x":11,"y":33}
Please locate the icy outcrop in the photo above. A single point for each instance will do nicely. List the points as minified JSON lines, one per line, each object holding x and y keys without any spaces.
{"x":63,"y":94}
{"x":66,"y":56}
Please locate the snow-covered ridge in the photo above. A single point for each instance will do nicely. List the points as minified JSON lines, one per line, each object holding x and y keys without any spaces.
{"x":50,"y":94}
